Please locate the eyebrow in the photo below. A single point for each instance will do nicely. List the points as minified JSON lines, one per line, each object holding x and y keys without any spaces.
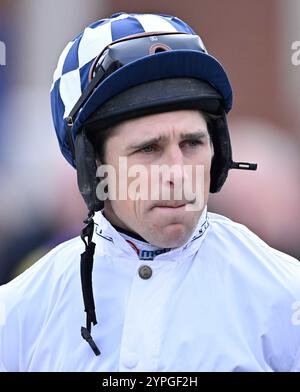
{"x":198,"y":135}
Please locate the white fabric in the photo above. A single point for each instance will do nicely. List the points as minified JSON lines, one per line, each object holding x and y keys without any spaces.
{"x":61,"y":61}
{"x":70,"y":90}
{"x":144,"y":250}
{"x":222,"y":302}
{"x":154,"y":23}
{"x":93,"y":41}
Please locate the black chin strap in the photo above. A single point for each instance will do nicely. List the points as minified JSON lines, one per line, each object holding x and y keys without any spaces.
{"x":86,"y":268}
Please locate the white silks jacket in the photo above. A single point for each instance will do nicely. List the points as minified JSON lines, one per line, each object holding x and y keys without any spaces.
{"x":224,"y":301}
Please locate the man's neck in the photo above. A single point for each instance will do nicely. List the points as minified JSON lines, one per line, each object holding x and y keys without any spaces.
{"x":119,"y":225}
{"x":129,"y":233}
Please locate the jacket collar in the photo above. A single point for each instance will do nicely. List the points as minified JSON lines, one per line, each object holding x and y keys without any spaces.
{"x":109,"y":242}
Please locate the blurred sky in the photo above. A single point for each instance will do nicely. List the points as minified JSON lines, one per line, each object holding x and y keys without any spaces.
{"x":39,"y":201}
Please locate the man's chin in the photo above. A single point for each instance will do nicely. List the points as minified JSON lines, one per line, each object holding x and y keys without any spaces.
{"x":173,"y":235}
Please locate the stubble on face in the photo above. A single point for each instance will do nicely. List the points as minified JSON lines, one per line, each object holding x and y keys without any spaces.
{"x":171,"y":138}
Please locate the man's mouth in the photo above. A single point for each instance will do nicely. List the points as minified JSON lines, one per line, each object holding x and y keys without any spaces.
{"x":170,"y":206}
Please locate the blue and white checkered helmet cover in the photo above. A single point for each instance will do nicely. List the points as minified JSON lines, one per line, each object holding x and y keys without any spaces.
{"x":71,"y":75}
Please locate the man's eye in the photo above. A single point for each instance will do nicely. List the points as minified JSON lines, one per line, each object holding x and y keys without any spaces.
{"x":191,"y":143}
{"x":148,"y":149}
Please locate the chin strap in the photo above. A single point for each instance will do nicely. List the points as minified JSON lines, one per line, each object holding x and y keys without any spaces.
{"x":86,"y":268}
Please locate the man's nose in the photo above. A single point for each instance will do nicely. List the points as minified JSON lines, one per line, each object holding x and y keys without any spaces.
{"x":174,"y":159}
{"x":173,"y":156}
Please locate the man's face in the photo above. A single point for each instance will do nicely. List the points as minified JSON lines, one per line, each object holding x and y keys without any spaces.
{"x":173,"y":138}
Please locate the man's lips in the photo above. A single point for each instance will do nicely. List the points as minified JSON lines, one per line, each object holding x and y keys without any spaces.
{"x":170,"y":206}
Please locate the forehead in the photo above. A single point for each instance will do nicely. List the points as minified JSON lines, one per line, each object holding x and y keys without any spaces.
{"x":168,"y":123}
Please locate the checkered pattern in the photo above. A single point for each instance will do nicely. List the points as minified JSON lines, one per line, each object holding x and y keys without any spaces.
{"x":71,"y":75}
{"x":70,"y":72}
